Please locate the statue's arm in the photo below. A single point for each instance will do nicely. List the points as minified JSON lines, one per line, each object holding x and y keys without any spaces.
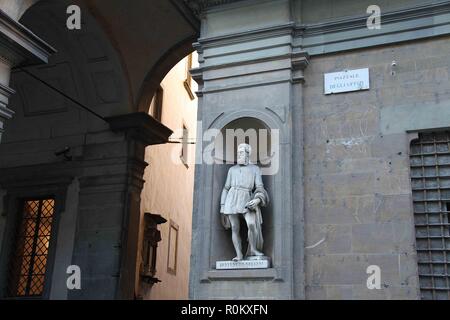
{"x":258,"y":179}
{"x":225,"y":189}
{"x":260,"y":192}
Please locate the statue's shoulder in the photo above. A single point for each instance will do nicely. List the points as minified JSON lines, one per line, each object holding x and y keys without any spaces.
{"x":254,"y":167}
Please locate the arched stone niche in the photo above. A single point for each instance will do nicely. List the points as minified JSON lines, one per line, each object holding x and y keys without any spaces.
{"x":244,"y":130}
{"x":212,"y":243}
{"x":258,"y":134}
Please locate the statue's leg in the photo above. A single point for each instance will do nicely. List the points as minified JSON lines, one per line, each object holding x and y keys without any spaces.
{"x":235,"y":227}
{"x":250,"y":218}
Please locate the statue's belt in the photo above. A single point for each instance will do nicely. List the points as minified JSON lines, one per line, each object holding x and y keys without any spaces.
{"x":242,"y":188}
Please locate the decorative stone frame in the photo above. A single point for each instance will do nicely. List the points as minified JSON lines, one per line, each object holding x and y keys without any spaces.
{"x":172,"y":226}
{"x":281,"y":199}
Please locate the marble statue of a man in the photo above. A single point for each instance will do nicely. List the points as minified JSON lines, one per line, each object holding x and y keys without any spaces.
{"x":244,"y":195}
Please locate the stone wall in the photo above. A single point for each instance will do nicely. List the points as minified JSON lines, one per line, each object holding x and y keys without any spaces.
{"x":349,"y":151}
{"x":357,"y":188}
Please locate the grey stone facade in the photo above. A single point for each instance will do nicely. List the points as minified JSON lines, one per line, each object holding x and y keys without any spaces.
{"x":342,"y":199}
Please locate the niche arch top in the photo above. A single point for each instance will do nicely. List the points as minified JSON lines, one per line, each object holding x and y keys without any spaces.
{"x":252,"y":131}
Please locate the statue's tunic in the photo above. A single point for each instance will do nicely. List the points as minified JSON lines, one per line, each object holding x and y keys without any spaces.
{"x":238,"y":190}
{"x":244,"y":183}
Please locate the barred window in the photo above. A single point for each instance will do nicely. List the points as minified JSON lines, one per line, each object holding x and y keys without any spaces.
{"x":430,"y":178}
{"x":29,"y":259}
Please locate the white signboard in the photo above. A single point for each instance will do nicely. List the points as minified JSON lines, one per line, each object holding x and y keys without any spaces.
{"x":346,"y":81}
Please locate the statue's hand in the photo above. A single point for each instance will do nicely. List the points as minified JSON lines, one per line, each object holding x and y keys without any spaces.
{"x":253,"y":204}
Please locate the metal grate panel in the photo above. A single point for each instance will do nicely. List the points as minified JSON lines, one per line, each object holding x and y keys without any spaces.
{"x":430,"y":179}
{"x":29,"y":260}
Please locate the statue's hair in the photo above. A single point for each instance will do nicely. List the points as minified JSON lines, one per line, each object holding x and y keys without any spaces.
{"x":246,"y":146}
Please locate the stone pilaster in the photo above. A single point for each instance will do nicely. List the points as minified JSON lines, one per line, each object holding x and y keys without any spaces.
{"x":300,"y":61}
{"x":108,"y":221}
{"x":251,"y":70}
{"x":5,"y":113}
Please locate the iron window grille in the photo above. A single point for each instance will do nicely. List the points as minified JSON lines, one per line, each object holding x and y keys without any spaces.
{"x":29,"y":260}
{"x":430,"y":179}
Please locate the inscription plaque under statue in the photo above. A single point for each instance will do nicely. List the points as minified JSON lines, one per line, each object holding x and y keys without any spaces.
{"x":260,"y":263}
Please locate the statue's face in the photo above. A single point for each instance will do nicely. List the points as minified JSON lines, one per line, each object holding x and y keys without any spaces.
{"x":242,"y":156}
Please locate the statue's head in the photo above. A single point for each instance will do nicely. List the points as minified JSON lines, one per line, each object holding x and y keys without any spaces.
{"x":243,"y":154}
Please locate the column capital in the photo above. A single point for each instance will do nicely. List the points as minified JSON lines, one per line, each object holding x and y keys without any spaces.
{"x":18,"y":45}
{"x":5,"y":112}
{"x":198,"y":6}
{"x":299,"y":60}
{"x":141,"y":127}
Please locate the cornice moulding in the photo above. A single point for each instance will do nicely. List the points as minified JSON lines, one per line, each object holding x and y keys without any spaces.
{"x":347,"y":33}
{"x":261,"y":33}
{"x":19,"y":45}
{"x":358,"y":22}
{"x":199,"y":6}
{"x":140,"y":126}
{"x":5,"y":113}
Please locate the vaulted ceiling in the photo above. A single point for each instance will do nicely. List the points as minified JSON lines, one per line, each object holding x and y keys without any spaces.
{"x":149,"y":37}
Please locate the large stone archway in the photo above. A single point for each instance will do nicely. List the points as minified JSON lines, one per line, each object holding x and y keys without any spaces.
{"x":111,"y":66}
{"x":146,"y":56}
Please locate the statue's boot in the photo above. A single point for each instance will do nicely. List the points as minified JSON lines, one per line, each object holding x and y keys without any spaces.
{"x":257,"y":253}
{"x":238,"y":258}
